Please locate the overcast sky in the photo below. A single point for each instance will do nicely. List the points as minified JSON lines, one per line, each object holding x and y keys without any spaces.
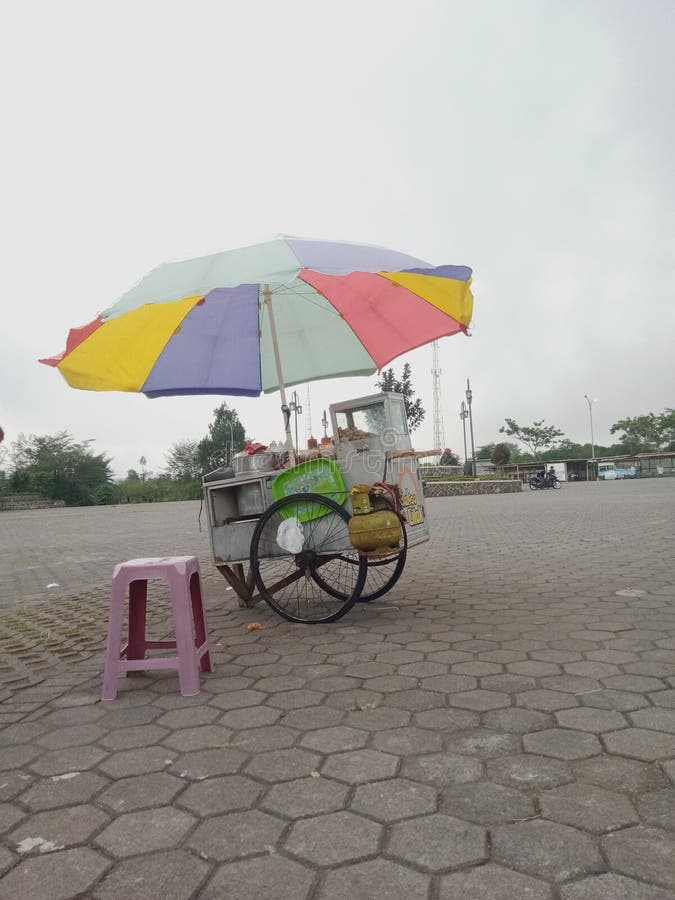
{"x":532,"y":140}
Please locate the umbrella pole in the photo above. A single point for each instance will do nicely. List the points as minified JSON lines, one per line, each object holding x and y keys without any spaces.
{"x":267,"y":294}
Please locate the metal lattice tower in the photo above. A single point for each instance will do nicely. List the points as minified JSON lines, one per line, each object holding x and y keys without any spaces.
{"x":308,"y":416}
{"x":439,"y":429}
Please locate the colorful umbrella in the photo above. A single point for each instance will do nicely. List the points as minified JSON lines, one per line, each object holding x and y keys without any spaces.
{"x":257,"y":319}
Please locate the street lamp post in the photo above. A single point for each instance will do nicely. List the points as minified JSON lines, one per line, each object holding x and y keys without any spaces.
{"x":463,"y":413}
{"x":295,"y":407}
{"x":590,"y":413}
{"x":469,"y":398}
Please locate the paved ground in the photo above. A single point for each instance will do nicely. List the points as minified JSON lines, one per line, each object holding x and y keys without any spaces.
{"x":501,"y":726}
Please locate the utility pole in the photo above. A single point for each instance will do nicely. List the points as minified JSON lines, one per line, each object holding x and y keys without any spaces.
{"x":469,"y":398}
{"x":463,"y":413}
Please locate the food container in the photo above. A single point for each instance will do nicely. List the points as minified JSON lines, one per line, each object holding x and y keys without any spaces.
{"x":254,"y":462}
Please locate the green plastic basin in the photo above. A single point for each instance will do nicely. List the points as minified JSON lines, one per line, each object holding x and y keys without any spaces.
{"x":318,"y":476}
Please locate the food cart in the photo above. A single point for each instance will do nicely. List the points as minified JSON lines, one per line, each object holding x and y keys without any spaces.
{"x":283,"y":535}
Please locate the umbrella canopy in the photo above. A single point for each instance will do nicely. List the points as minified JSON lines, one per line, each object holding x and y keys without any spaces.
{"x":253,"y":320}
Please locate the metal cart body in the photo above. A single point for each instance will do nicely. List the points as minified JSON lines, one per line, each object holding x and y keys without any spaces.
{"x":235,"y":505}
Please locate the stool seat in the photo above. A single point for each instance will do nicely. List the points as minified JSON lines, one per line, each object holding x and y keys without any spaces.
{"x":182,"y":575}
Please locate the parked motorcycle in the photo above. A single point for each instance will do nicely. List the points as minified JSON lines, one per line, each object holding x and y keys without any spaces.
{"x":542,"y":481}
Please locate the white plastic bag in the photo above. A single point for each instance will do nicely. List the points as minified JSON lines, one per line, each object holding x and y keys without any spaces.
{"x":290,"y":535}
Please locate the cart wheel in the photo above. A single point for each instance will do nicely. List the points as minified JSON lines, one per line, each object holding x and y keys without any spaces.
{"x":382,"y":574}
{"x":287,"y":581}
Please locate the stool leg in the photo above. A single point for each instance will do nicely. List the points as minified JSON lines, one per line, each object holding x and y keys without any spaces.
{"x":199,"y":616}
{"x":138,"y":601}
{"x":114,"y":644}
{"x":188,"y":671}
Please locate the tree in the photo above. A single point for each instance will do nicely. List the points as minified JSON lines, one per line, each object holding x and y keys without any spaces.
{"x":500,"y":455}
{"x":646,"y":433}
{"x":226,"y":436}
{"x":537,"y":437}
{"x":60,"y":468}
{"x":448,"y":458}
{"x":485,"y":452}
{"x":414,"y":410}
{"x":182,"y":461}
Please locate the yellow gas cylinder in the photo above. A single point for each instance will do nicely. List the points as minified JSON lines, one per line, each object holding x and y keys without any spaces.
{"x":373,"y":532}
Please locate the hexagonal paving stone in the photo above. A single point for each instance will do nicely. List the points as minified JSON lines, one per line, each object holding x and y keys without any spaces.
{"x":199,"y":738}
{"x":438,"y":842}
{"x":379,"y":719}
{"x":482,"y":743}
{"x":622,"y":701}
{"x":305,"y":797}
{"x":645,"y":853}
{"x":620,"y":774}
{"x":447,"y":719}
{"x":295,"y":699}
{"x":238,"y":699}
{"x":155,"y":789}
{"x":562,"y":743}
{"x":546,"y":849}
{"x":311,"y":718}
{"x":660,"y":719}
{"x":612,"y":887}
{"x":546,"y":701}
{"x":333,"y":838}
{"x":638,"y":683}
{"x":592,"y":720}
{"x":589,"y":807}
{"x":188,"y":718}
{"x":55,"y":876}
{"x":63,"y":790}
{"x":236,"y":834}
{"x":139,"y":761}
{"x":492,"y":882}
{"x":271,"y":737}
{"x":139,"y":736}
{"x":255,"y":879}
{"x":172,"y":875}
{"x":377,"y":879}
{"x":416,"y":699}
{"x":71,"y":736}
{"x":395,"y":799}
{"x":335,"y":739}
{"x":9,"y":816}
{"x":440,"y":769}
{"x":533,"y":669}
{"x":481,"y":701}
{"x":359,"y":766}
{"x":72,"y":759}
{"x":283,"y":765}
{"x":517,"y":720}
{"x":485,"y":803}
{"x":407,"y":741}
{"x":59,"y":828}
{"x":658,"y":808}
{"x":207,"y":763}
{"x":509,"y":684}
{"x":640,"y":743}
{"x":13,"y":783}
{"x":18,"y":756}
{"x":354,"y":699}
{"x":450,"y":684}
{"x":528,"y":771}
{"x":250,"y":717}
{"x":219,"y":795}
{"x":145,"y":831}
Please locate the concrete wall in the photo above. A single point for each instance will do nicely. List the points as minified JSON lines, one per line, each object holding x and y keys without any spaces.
{"x":460,"y":488}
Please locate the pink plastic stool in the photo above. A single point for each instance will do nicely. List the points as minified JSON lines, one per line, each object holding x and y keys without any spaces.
{"x":182,"y":575}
